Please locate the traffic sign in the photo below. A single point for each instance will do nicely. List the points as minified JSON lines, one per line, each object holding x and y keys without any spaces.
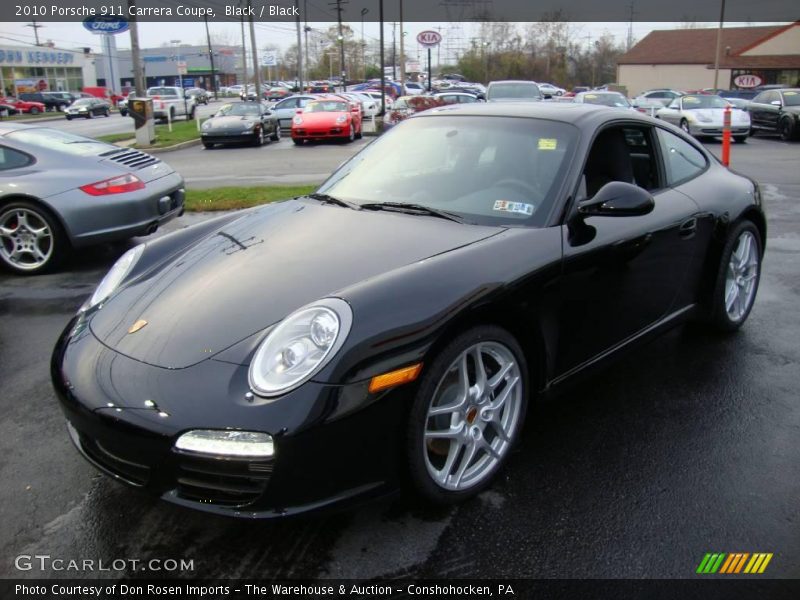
{"x":182,"y":68}
{"x":269,"y":59}
{"x":429,"y":38}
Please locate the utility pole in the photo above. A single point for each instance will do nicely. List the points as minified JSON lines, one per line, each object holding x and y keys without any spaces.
{"x":364,"y":11}
{"x":306,"y":30}
{"x":383,"y":72}
{"x":138,"y":71}
{"x":254,"y":49}
{"x":211,"y":58}
{"x":300,"y":74}
{"x":339,"y":9}
{"x":244,"y":58}
{"x":629,"y":41}
{"x":719,"y":45}
{"x":394,"y":50}
{"x":36,"y":26}
{"x":402,"y":54}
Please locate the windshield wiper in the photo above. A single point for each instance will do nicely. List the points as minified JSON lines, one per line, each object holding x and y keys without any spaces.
{"x":328,"y":199}
{"x":413,"y":209}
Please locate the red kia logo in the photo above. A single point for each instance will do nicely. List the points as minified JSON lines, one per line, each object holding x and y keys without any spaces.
{"x":429,"y":38}
{"x":747,"y":80}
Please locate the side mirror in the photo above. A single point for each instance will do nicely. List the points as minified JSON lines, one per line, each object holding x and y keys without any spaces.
{"x":618,"y":199}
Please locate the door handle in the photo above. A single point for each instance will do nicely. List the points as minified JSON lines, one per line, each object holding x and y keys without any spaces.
{"x":688,"y":228}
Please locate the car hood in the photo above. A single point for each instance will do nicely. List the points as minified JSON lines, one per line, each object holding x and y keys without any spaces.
{"x":231,"y":121}
{"x":321,"y":118}
{"x":716,"y":115}
{"x":260,"y":267}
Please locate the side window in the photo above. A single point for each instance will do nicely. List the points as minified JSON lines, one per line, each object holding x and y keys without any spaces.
{"x":301,"y":102}
{"x":682,"y":160}
{"x":11,"y":159}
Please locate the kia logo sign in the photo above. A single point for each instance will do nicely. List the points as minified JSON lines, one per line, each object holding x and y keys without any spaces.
{"x":110,"y":25}
{"x":429,"y":38}
{"x":747,"y":80}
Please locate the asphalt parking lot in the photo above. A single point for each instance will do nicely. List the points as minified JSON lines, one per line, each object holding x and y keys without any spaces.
{"x":688,"y":446}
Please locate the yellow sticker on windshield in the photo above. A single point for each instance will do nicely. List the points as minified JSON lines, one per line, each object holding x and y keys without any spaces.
{"x":548,"y":143}
{"x":590,"y":96}
{"x":790,"y":93}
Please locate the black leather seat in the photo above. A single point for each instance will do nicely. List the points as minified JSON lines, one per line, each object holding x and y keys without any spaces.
{"x":609,"y":160}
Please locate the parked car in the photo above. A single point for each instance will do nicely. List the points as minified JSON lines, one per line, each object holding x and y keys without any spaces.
{"x":702,"y":116}
{"x":87,"y":108}
{"x":513,"y":91}
{"x":406,"y":106}
{"x":170,"y":102}
{"x":285,"y":110}
{"x":122,"y":105}
{"x":277,"y":93}
{"x":326,"y":118}
{"x":51,"y":100}
{"x":661,"y":96}
{"x":413,"y":88}
{"x":450,"y":97}
{"x":548,"y":89}
{"x":23,"y":106}
{"x":577,"y":90}
{"x":199,"y":94}
{"x":72,"y":191}
{"x":103,"y":93}
{"x":465,"y":279}
{"x":369,"y":107}
{"x":241,"y":122}
{"x":777,"y":111}
{"x":7,"y":110}
{"x":610,"y":99}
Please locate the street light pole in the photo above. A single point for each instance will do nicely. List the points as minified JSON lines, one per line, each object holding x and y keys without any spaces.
{"x":383,"y":71}
{"x":719,"y":45}
{"x":364,"y":11}
{"x":211,"y":59}
{"x":180,"y":75}
{"x":402,"y":53}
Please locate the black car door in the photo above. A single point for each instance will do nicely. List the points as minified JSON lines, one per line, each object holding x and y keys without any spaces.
{"x":621,"y":275}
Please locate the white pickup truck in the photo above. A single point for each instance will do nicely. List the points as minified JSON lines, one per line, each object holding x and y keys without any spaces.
{"x":171,"y":102}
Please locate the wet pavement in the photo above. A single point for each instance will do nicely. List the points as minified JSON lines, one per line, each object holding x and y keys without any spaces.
{"x":690,"y":445}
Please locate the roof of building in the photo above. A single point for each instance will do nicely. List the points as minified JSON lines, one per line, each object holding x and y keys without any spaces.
{"x":698,"y":46}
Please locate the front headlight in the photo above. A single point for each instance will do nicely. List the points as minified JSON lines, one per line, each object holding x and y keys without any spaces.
{"x":341,"y":119}
{"x":207,"y":125}
{"x":114,"y":277}
{"x":300,"y":346}
{"x":249,"y":126}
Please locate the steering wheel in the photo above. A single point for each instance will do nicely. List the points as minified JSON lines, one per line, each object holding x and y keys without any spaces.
{"x":526,"y":188}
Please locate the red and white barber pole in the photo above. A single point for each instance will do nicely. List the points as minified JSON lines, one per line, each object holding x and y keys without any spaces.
{"x":726,"y":137}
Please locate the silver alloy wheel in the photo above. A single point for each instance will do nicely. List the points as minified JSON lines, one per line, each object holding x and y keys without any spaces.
{"x":473,"y":417}
{"x":685,"y":126}
{"x":742,"y":277}
{"x":26,"y":241}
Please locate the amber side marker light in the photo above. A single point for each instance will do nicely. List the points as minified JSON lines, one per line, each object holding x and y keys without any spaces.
{"x":393,"y":378}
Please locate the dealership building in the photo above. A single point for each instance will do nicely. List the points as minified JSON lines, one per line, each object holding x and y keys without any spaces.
{"x":46,"y":68}
{"x":683,"y":59}
{"x":161,"y":67}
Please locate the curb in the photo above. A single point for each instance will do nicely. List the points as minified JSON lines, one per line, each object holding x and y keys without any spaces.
{"x":181,"y":146}
{"x":37,"y":119}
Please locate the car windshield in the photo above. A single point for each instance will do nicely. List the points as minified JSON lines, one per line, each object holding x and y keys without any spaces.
{"x":615,"y":100}
{"x":325,"y":106}
{"x":791,"y":98}
{"x":496,"y":171}
{"x":517,"y":91}
{"x":240,"y":109}
{"x":162,"y":91}
{"x":695,"y":102}
{"x":55,"y":139}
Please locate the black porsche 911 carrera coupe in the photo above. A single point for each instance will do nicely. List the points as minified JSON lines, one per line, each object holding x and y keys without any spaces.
{"x":392,"y":328}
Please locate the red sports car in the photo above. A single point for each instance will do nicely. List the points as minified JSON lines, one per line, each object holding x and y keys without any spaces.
{"x":23,"y":106}
{"x":326,"y":118}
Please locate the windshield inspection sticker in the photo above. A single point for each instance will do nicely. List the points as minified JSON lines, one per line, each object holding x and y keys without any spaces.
{"x":548,"y":143}
{"x":520,"y":208}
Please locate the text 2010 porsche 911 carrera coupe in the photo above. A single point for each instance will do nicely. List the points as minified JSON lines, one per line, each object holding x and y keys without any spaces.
{"x":394,"y":326}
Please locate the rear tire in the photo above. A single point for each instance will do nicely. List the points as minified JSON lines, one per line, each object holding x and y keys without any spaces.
{"x":480,"y":409}
{"x":36,"y":242}
{"x":34,"y":111}
{"x":737,"y":279}
{"x":786,"y":129}
{"x":208,"y":145}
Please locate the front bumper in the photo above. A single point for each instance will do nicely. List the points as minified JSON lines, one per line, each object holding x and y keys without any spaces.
{"x":716,"y":130}
{"x":98,"y":219}
{"x":332,"y":443}
{"x":227,"y":137}
{"x":320,"y":133}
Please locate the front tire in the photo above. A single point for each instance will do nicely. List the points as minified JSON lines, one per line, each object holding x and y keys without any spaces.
{"x":786,"y":130}
{"x":684,"y":124}
{"x":31,"y":239}
{"x":737,"y":278}
{"x":467,"y":415}
{"x":297,"y":142}
{"x":276,"y":135}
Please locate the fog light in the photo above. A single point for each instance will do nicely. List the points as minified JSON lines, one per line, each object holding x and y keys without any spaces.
{"x":251,"y":444}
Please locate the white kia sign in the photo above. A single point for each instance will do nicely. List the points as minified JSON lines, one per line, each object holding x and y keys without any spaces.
{"x":748,"y":80}
{"x":429,"y":38}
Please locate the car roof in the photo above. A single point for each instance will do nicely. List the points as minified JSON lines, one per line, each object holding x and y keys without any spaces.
{"x":513,"y":81}
{"x":8,"y":127}
{"x":567,"y":112}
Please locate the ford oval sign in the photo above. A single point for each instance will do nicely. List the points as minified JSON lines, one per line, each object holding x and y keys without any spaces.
{"x":109,"y":25}
{"x":429,"y":38}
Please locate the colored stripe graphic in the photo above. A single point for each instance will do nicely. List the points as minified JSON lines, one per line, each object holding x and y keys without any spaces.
{"x":741,"y":563}
{"x":711,"y":563}
{"x":733,"y":563}
{"x":728,"y":564}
